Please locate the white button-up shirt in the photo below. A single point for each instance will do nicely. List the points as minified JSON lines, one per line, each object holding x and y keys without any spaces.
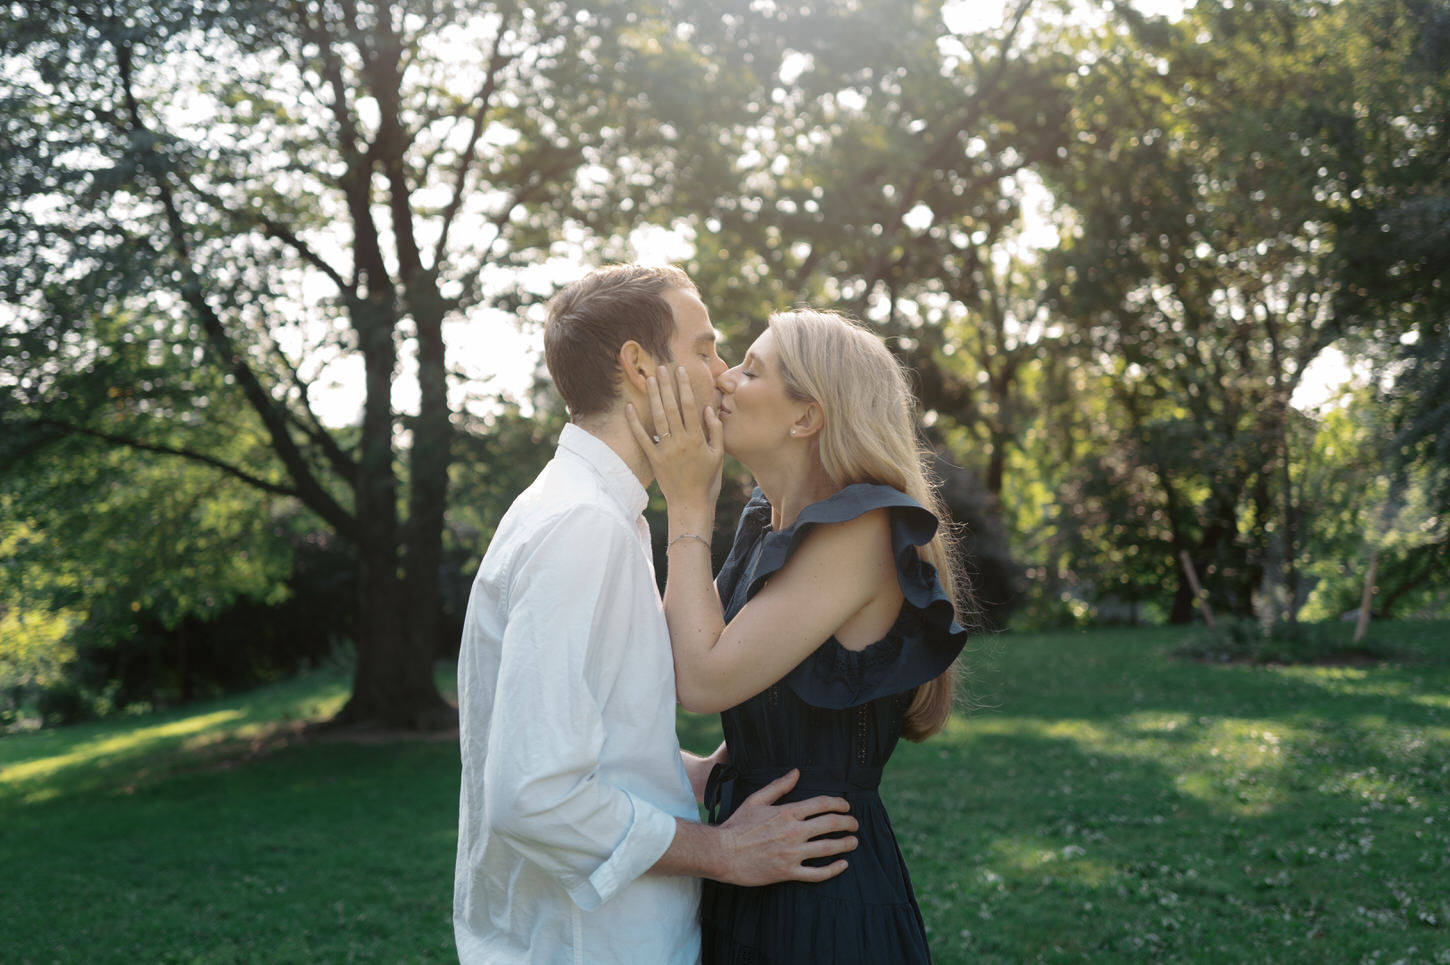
{"x":572,"y":777}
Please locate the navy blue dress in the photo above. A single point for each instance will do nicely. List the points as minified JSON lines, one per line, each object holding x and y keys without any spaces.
{"x":837,"y":716}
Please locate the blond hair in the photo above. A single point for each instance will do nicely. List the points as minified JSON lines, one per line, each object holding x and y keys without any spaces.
{"x":869,"y":436}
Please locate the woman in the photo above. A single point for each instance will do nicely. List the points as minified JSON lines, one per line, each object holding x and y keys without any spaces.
{"x":837,"y":633}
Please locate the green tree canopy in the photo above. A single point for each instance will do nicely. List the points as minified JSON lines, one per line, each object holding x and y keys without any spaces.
{"x":208,"y":208}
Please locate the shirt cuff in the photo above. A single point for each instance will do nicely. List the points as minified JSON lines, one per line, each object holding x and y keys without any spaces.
{"x":648,"y":838}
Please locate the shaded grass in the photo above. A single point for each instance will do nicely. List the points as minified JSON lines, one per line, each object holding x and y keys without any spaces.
{"x":40,"y":765}
{"x":318,"y":853}
{"x":218,"y":834}
{"x":1121,"y":806}
{"x":1113,"y":805}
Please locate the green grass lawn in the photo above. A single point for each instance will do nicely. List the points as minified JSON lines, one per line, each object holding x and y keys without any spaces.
{"x":1111,"y":804}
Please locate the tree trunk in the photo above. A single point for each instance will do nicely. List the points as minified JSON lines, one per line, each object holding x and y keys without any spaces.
{"x":183,"y":661}
{"x":1227,"y":570}
{"x":1000,"y":427}
{"x":997,"y":460}
{"x":1281,"y":399}
{"x":1290,"y":516}
{"x":984,"y":546}
{"x":1263,"y":567}
{"x":393,"y":682}
{"x":1202,"y":597}
{"x":430,"y":458}
{"x":1181,"y":611}
{"x":1367,"y":600}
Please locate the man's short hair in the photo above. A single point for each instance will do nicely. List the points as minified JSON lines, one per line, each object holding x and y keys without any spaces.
{"x":592,"y":318}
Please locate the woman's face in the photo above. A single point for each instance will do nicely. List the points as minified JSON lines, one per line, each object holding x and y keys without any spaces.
{"x":756,"y":411}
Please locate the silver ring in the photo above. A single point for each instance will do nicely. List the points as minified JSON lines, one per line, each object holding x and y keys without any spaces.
{"x":660,"y":437}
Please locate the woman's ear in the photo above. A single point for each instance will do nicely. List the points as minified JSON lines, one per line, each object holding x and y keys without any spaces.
{"x":811,"y":421}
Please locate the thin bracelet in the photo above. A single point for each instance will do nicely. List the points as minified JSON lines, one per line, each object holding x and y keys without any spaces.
{"x":686,"y":536}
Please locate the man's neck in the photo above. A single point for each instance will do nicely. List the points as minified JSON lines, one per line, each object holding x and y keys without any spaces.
{"x":611,"y":429}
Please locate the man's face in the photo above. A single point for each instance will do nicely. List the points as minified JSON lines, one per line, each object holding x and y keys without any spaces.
{"x":693,"y":346}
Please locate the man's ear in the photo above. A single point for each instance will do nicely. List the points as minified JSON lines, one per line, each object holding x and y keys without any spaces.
{"x":811,"y":421}
{"x":636,"y":364}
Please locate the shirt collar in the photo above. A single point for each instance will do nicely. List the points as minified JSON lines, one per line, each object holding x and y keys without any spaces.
{"x":619,"y":480}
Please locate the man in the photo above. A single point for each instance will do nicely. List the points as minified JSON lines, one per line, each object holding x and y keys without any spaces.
{"x":577,"y":837}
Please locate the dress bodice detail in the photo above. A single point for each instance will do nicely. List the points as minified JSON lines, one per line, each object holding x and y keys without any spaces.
{"x":920,"y":645}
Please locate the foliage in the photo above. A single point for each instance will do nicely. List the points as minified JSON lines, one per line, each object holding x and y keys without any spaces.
{"x":131,"y":661}
{"x":159,"y":546}
{"x":1385,"y":180}
{"x":886,"y":177}
{"x":1168,"y":810}
{"x":1196,"y":272}
{"x":212,"y":211}
{"x":211,"y":214}
{"x":1360,"y":503}
{"x":34,"y":654}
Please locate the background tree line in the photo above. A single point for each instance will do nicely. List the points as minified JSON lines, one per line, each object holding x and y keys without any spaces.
{"x":1110,"y":246}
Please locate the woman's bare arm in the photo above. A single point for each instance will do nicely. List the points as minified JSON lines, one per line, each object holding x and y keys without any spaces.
{"x":837,"y":571}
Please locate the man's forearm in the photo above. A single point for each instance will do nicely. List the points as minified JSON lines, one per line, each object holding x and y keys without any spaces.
{"x":697,"y":850}
{"x":762,"y":843}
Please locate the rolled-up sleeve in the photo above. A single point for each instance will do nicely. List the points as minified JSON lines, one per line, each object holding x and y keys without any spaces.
{"x":542,"y":787}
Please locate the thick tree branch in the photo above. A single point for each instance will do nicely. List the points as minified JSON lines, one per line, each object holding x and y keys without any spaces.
{"x":343,"y":464}
{"x":356,"y":182}
{"x":200,"y":457}
{"x":496,"y":62}
{"x":309,"y":489}
{"x":535,"y":182}
{"x":285,"y":234}
{"x":277,"y":230}
{"x":384,"y":75}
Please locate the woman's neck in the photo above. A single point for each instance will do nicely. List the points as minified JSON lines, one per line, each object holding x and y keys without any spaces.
{"x":791,"y":488}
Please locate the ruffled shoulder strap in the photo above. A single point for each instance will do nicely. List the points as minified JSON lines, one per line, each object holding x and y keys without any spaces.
{"x":914,"y":652}
{"x":922,"y":643}
{"x":754,"y":520}
{"x":912,"y":524}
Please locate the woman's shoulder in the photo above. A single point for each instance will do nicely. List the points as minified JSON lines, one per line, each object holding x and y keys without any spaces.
{"x":925,"y":639}
{"x":873,"y":510}
{"x":859,"y":499}
{"x":878,"y":513}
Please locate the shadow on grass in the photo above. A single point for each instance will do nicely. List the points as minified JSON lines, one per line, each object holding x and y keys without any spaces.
{"x":1105,"y":676}
{"x":40,"y":766}
{"x":1119,"y":806}
{"x":1114,"y":806}
{"x":317,"y":852}
{"x":122,"y":754}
